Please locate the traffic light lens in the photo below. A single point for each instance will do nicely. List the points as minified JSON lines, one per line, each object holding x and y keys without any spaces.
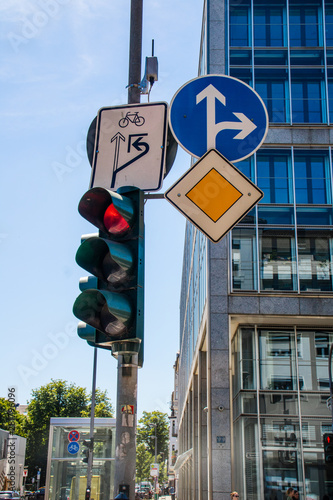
{"x":114,"y":222}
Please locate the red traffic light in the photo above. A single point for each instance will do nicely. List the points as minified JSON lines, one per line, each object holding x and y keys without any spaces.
{"x":108,"y":211}
{"x":114,"y":222}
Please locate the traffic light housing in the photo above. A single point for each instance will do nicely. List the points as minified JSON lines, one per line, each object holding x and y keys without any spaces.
{"x":328,"y":447}
{"x":111,"y":305}
{"x":89,"y":446}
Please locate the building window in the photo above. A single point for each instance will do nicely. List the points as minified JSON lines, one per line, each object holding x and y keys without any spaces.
{"x":276,"y":352}
{"x":307,"y":98}
{"x":322,"y":345}
{"x":292,"y":415}
{"x":268,"y":27}
{"x":273,"y":93}
{"x":273,"y":177}
{"x":243,"y":259}
{"x":304,"y":29}
{"x":277,"y":260}
{"x":312,"y":178}
{"x":329,"y":25}
{"x":239,"y":27}
{"x":330,"y":95}
{"x":314,"y":261}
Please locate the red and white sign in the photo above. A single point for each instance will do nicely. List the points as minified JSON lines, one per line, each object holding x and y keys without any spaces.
{"x":73,"y":435}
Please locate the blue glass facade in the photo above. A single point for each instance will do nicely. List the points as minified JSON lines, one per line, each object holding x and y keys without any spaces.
{"x":286,"y":241}
{"x":194,"y":286}
{"x":264,"y":311}
{"x":273,"y":45}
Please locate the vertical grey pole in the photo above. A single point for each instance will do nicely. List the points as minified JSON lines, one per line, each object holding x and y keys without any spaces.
{"x":155,"y":478}
{"x":125,"y":463}
{"x":330,"y":379}
{"x":92,"y":425}
{"x":135,"y":52}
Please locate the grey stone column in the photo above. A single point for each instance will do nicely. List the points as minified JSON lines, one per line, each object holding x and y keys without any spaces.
{"x":220,"y":446}
{"x":202,"y":398}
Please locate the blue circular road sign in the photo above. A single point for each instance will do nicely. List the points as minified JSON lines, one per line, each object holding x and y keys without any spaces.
{"x":221,"y":112}
{"x":73,"y":447}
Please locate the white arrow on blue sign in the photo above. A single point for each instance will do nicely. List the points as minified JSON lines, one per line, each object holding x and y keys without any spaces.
{"x":220,"y":112}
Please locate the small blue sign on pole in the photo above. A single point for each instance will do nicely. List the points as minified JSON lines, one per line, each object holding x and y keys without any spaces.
{"x":73,"y":447}
{"x":218,"y":112}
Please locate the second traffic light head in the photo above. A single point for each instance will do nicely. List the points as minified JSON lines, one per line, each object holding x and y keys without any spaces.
{"x":328,"y":447}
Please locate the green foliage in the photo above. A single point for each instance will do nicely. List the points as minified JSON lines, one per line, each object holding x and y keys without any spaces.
{"x":10,"y":419}
{"x":103,"y":406}
{"x":143,"y":461}
{"x":57,"y":399}
{"x":145,"y":451}
{"x":146,"y":432}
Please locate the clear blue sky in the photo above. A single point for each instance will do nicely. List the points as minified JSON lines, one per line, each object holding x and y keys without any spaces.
{"x":62,"y":60}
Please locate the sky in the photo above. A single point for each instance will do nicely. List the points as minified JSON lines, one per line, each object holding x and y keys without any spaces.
{"x":62,"y":60}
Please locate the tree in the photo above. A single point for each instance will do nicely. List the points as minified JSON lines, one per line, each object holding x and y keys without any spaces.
{"x":143,"y":461}
{"x":10,"y":419}
{"x":103,"y":406}
{"x":150,"y":423}
{"x":146,"y":432}
{"x":56,"y":399}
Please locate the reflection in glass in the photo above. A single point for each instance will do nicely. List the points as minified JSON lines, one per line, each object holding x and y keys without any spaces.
{"x":314,"y":261}
{"x":244,"y":259}
{"x":277,"y":360}
{"x":275,"y":404}
{"x":277,"y":260}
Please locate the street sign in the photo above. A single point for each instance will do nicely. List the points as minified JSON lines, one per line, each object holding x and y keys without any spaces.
{"x":154,"y":470}
{"x":130,"y":146}
{"x":73,"y":447}
{"x":213,"y":195}
{"x":73,"y":435}
{"x":218,"y":112}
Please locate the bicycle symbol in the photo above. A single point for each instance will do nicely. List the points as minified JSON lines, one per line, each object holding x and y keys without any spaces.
{"x":133,"y":118}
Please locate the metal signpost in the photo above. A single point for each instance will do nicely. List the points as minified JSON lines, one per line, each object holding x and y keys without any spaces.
{"x":218,"y":112}
{"x":130,"y":146}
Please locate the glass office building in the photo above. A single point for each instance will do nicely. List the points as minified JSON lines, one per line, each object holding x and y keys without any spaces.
{"x":256,"y":314}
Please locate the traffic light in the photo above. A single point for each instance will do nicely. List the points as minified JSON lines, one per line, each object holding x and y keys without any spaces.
{"x":89,"y":444}
{"x":328,"y":447}
{"x":111,"y":304}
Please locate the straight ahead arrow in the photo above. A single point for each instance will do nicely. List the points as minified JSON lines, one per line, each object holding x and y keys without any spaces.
{"x":245,"y":125}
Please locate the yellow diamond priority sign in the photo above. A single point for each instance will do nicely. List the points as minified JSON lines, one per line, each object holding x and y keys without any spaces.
{"x":214,"y":195}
